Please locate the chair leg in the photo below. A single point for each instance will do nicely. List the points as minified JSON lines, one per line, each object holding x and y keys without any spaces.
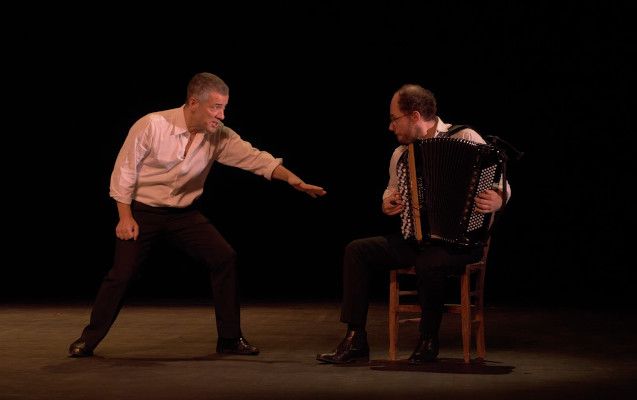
{"x":480,"y":342}
{"x":465,"y":315}
{"x":472,"y":316}
{"x":393,"y":314}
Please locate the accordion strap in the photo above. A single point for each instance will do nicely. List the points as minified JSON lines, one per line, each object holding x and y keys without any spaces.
{"x":453,"y":129}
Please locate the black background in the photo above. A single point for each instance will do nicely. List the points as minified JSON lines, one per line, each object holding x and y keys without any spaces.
{"x":312,"y":83}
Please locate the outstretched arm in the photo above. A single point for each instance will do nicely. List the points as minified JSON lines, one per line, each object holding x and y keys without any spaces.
{"x":284,"y":174}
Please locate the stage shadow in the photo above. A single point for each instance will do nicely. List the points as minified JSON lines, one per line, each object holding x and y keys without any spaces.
{"x":444,"y":366}
{"x":83,"y":364}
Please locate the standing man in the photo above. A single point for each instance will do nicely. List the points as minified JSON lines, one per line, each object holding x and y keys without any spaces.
{"x":158,"y":176}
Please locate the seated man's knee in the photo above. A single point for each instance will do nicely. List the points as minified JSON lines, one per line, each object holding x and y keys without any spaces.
{"x":355,"y":246}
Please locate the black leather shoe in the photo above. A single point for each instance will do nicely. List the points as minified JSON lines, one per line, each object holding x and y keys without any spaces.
{"x":426,"y":350}
{"x":236,"y":346}
{"x":351,"y":349}
{"x":80,"y":349}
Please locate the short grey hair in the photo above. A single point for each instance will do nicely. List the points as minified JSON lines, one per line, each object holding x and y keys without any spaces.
{"x":204,"y":83}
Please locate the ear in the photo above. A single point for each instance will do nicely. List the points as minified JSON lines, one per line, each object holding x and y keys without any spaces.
{"x":192,"y":100}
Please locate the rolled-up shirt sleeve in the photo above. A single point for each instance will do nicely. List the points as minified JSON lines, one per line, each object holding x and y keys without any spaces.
{"x":239,"y":153}
{"x":392,"y":184}
{"x":128,"y":162}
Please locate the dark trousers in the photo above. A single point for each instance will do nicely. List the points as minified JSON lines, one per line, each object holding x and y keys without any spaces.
{"x":433,"y":262}
{"x":188,"y":230}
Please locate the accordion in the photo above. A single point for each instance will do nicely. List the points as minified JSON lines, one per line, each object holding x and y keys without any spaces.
{"x":438,"y":180}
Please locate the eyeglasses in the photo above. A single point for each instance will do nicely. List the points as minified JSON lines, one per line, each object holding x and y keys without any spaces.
{"x":394,"y":119}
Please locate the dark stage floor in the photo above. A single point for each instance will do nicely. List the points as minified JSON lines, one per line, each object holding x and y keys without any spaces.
{"x":166,"y":351}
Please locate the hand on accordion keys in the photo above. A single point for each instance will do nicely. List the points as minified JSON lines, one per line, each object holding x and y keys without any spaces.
{"x":393,"y":204}
{"x":488,"y":201}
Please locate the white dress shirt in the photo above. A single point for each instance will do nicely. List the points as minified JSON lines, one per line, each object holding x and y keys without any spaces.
{"x":151,"y":167}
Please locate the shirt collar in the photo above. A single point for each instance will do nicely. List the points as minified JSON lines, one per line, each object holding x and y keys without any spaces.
{"x":180,"y":127}
{"x":441,"y":127}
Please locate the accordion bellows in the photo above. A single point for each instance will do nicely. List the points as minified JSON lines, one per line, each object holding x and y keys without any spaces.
{"x":438,"y":180}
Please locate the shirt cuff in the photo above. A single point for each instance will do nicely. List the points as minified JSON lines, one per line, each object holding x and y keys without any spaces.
{"x":271,"y":167}
{"x":122,"y":199}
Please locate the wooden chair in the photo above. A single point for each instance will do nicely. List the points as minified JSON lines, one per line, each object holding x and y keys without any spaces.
{"x":470,"y":308}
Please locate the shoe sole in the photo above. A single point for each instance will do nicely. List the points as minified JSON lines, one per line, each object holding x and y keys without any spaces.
{"x":80,"y":355}
{"x":237,"y":353}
